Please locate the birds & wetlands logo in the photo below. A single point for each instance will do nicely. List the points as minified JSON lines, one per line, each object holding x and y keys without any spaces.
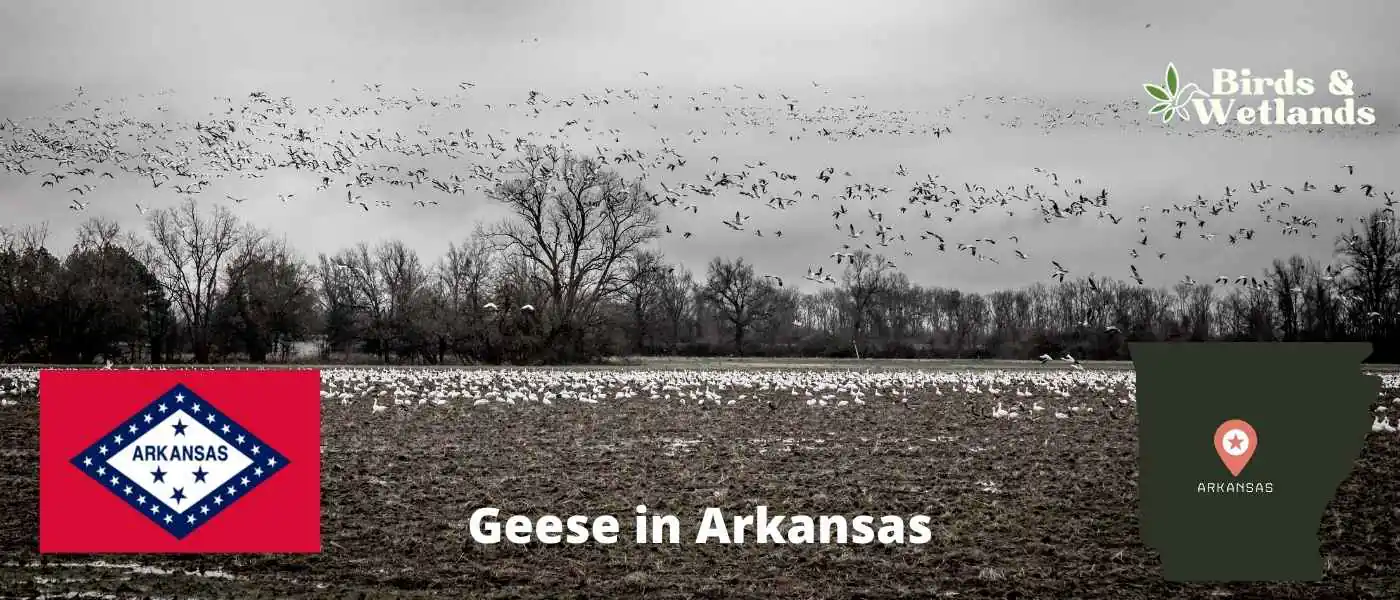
{"x":1173,"y":99}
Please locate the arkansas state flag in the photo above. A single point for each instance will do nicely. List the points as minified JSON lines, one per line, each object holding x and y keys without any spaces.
{"x":179,"y":461}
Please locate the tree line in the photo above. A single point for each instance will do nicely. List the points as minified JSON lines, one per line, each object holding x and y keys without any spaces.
{"x":572,"y":276}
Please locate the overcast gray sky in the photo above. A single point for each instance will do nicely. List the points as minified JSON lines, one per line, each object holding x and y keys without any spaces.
{"x":915,"y":56}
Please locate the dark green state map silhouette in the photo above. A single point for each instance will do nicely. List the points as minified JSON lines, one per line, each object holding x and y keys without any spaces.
{"x":1308,"y":404}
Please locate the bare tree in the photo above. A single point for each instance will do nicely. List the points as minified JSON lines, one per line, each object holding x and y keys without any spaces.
{"x":645,"y":274}
{"x":357,"y":270}
{"x":337,"y":298}
{"x":1373,"y":256}
{"x":676,"y":306}
{"x":464,"y":274}
{"x":575,"y":223}
{"x":865,"y":281}
{"x":404,"y":281}
{"x":1287,"y":282}
{"x":740,"y":298}
{"x":189,"y":255}
{"x":28,"y":237}
{"x":269,"y":300}
{"x":98,"y":232}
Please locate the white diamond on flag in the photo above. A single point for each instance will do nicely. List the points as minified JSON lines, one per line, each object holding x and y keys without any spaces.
{"x":180,"y":461}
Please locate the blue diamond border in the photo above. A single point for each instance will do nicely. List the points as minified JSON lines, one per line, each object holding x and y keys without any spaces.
{"x":182,"y":524}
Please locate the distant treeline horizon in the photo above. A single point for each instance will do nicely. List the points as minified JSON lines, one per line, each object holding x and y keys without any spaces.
{"x":571,"y":277}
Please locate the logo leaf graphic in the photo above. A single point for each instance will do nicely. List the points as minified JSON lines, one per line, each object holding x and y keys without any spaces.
{"x":1171,"y":78}
{"x":1157,"y":92}
{"x":1161,"y":106}
{"x":1167,"y":116}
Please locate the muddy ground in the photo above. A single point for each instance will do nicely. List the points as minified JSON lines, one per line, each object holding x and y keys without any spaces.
{"x":1021,"y":508}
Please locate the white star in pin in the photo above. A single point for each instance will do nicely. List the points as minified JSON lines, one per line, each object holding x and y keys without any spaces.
{"x":1236,"y":442}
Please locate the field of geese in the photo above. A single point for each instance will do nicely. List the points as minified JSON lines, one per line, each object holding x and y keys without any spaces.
{"x":1028,"y":472}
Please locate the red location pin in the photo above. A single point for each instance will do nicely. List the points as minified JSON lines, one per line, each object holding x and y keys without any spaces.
{"x":1235,"y":441}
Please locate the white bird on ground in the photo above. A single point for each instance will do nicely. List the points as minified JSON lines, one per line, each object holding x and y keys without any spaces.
{"x":1000,"y":412}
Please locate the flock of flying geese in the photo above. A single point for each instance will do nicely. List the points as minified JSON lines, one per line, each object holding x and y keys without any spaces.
{"x":344,"y":147}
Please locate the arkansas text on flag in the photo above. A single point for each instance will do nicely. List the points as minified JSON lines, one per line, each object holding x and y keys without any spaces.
{"x":179,"y":461}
